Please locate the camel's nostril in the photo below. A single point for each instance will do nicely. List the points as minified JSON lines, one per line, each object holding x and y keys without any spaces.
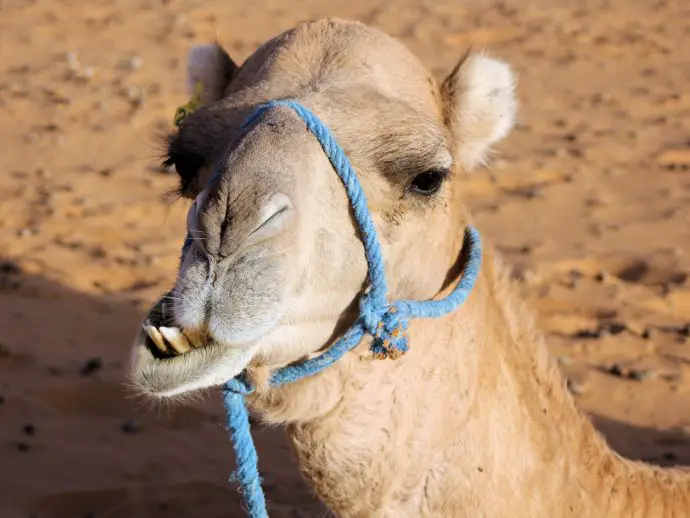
{"x":275,"y":217}
{"x":273,"y":214}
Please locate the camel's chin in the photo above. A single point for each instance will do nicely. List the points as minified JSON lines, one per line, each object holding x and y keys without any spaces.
{"x":167,"y":375}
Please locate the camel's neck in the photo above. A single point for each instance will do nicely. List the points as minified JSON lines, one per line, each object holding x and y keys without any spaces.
{"x":541,"y":444}
{"x":473,"y":421}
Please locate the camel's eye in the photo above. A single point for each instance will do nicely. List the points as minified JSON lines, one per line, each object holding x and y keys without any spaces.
{"x":428,"y":182}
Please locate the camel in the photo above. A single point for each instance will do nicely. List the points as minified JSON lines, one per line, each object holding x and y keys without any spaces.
{"x":475,"y":419}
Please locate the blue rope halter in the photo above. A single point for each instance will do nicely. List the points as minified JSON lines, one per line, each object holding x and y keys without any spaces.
{"x":387,"y":323}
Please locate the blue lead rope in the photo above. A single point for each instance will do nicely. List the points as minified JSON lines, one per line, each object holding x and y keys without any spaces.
{"x":386,"y":323}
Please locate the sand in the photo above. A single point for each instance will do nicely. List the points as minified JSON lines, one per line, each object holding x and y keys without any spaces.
{"x":588,"y":198}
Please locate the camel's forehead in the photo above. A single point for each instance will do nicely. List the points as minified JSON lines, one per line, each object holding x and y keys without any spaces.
{"x":317,"y":55}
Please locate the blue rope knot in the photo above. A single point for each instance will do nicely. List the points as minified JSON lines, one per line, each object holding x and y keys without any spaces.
{"x":385,"y":322}
{"x":388,"y":327}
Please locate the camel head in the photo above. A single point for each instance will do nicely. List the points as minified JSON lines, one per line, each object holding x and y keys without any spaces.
{"x":275,"y":265}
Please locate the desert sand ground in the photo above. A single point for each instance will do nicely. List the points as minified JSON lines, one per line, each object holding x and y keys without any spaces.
{"x":588,"y":199}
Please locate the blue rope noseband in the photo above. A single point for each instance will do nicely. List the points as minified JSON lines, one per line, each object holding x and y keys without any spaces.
{"x":385,"y":322}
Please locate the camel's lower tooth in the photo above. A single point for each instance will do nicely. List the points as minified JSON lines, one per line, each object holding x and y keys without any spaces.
{"x":177,"y":340}
{"x":156,"y":337}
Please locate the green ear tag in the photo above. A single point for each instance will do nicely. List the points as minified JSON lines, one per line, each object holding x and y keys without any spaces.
{"x":194,"y":103}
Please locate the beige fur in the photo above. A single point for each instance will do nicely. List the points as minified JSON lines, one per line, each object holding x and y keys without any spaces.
{"x":475,"y":420}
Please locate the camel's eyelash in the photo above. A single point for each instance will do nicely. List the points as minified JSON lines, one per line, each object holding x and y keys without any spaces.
{"x":167,"y":160}
{"x":165,"y":140}
{"x":186,"y":160}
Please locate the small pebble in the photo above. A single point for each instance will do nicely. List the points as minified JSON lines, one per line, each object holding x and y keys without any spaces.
{"x":2,"y":400}
{"x":614,"y":328}
{"x":29,"y":430}
{"x":640,"y":374}
{"x":91,"y":366}
{"x":130,"y":426}
{"x":98,"y":252}
{"x":646,"y":334}
{"x":617,"y":370}
{"x":602,"y":277}
{"x":23,"y":447}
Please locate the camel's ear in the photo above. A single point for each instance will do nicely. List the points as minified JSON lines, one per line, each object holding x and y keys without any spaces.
{"x":209,"y":71}
{"x":479,"y":106}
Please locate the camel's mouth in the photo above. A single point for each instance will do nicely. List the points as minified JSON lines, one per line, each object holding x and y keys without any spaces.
{"x":168,"y":360}
{"x":163,"y":339}
{"x":165,"y":342}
